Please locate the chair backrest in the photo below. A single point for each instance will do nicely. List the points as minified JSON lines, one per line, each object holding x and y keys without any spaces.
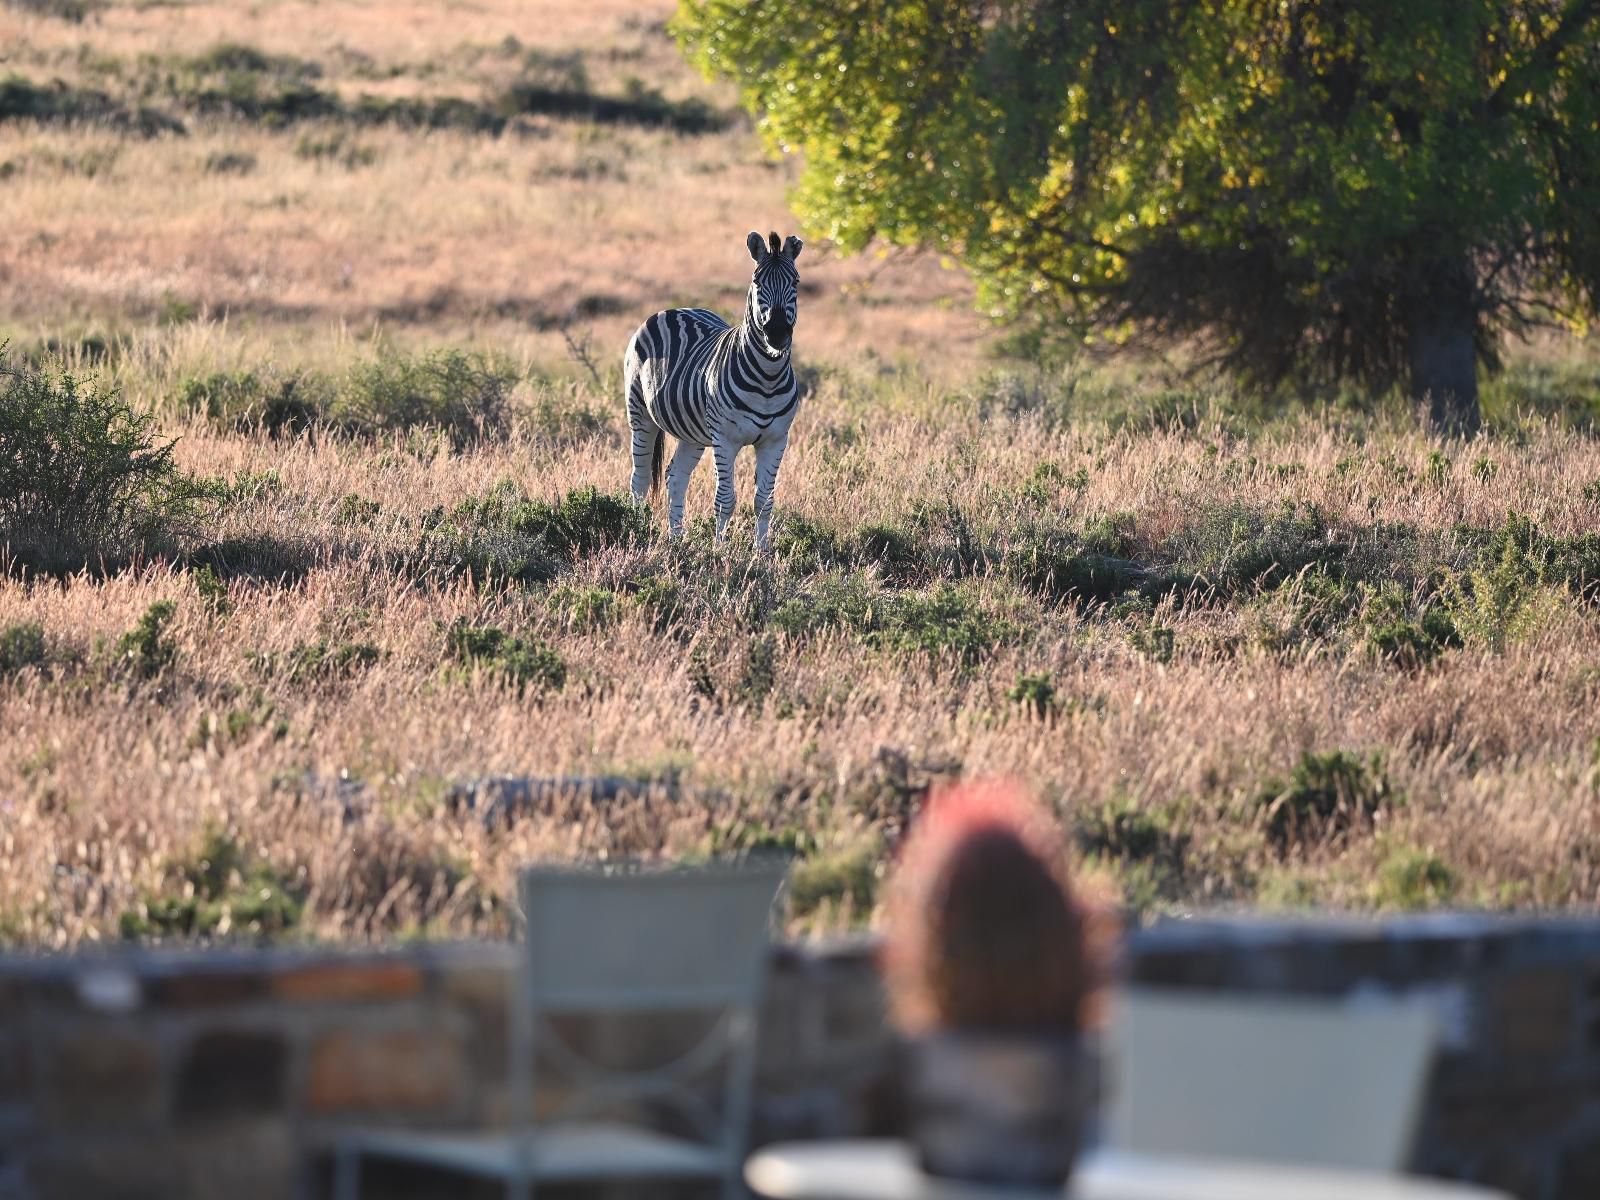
{"x":1237,"y":1076}
{"x":615,"y":940}
{"x":636,"y":940}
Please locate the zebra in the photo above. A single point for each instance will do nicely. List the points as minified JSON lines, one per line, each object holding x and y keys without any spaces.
{"x":689,"y":373}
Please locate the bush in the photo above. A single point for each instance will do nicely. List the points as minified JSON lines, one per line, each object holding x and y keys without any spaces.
{"x":946,"y":620}
{"x":1410,"y":878}
{"x":1062,"y":567}
{"x":320,"y":660}
{"x":1121,"y":830}
{"x":583,"y":608}
{"x":464,"y":395}
{"x":22,"y":645}
{"x":145,"y":649}
{"x":1507,"y":597}
{"x":836,"y":883}
{"x":251,"y":400}
{"x":1405,"y":633}
{"x":525,"y":664}
{"x":580,"y":523}
{"x":221,"y":891}
{"x":1325,"y":796}
{"x":503,"y":535}
{"x":1035,"y":693}
{"x":83,"y":477}
{"x":1232,"y":547}
{"x":1303,"y":611}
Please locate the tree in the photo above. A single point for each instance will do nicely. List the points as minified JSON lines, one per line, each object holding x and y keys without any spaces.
{"x":1368,"y":190}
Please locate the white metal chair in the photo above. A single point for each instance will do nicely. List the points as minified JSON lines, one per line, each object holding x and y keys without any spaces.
{"x":1236,"y":1076}
{"x":618,"y":941}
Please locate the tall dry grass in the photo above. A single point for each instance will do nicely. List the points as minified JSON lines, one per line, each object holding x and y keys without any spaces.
{"x":314,"y":721}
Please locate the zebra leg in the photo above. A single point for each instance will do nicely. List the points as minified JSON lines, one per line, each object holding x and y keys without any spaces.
{"x":645,"y":432}
{"x":723,"y":453}
{"x":768,"y":456}
{"x":684,"y":460}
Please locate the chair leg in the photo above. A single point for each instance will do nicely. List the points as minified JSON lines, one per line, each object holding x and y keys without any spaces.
{"x":346,"y":1174}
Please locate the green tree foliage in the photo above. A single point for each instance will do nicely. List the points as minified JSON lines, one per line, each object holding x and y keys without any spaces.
{"x":1335,"y":189}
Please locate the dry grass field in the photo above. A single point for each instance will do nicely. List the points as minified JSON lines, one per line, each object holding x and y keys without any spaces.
{"x":1293,"y":659}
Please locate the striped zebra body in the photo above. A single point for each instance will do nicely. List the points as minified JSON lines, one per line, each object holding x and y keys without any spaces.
{"x":712,"y":385}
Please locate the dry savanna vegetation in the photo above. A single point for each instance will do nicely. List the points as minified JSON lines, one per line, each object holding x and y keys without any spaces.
{"x":372,"y":266}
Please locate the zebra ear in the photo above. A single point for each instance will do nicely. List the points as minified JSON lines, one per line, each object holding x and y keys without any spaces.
{"x":757,"y":245}
{"x":791,"y":246}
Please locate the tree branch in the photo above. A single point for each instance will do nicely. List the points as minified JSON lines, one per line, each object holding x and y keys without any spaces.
{"x":1579,"y":16}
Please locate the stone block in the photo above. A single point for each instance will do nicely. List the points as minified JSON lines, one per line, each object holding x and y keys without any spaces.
{"x":16,"y":1069}
{"x":854,"y":1009}
{"x":405,"y":1071}
{"x":97,"y":1077}
{"x":483,"y":996}
{"x":1500,"y":1113}
{"x":1522,"y":1172}
{"x":226,"y":1073}
{"x":1578,"y":1168}
{"x":1534,"y":1012}
{"x":207,"y":989}
{"x":239,"y":1161}
{"x":339,"y":983}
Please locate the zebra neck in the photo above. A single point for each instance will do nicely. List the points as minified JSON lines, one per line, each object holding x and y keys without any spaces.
{"x":768,"y":363}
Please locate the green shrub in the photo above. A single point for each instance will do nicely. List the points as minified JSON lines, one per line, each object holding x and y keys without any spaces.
{"x":83,"y":477}
{"x":1409,"y":634}
{"x":256,"y":400}
{"x":806,"y":546}
{"x":212,"y":590}
{"x":835,"y":882}
{"x":946,"y":620}
{"x":897,"y":554}
{"x":1063,"y":568}
{"x":1035,"y":693}
{"x":1153,"y":640}
{"x":1120,"y":830}
{"x":464,"y":395}
{"x":1509,"y":595}
{"x":354,"y":509}
{"x":503,"y":535}
{"x":321,"y":660}
{"x":525,"y":664}
{"x":1302,"y":612}
{"x":1325,"y":796}
{"x":218,"y":891}
{"x":580,"y":523}
{"x":1231,"y":547}
{"x":145,"y":650}
{"x":22,"y":645}
{"x":584,"y":608}
{"x":1410,"y":878}
{"x":759,"y":675}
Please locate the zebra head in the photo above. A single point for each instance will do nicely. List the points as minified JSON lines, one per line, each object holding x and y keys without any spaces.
{"x":774,"y":304}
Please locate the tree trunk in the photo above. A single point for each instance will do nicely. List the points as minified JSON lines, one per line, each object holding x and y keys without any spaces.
{"x":1444,"y":361}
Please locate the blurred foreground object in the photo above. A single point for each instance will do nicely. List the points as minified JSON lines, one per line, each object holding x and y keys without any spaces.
{"x":619,"y":941}
{"x":886,"y":1170}
{"x":1307,"y":1082}
{"x":990,"y":968}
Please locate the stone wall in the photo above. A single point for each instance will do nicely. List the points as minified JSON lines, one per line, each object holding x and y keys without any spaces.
{"x":217,"y":1073}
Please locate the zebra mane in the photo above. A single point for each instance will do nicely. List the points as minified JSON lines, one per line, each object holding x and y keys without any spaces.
{"x":773,"y":243}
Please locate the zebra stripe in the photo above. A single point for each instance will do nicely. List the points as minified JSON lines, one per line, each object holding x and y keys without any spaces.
{"x":689,"y":373}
